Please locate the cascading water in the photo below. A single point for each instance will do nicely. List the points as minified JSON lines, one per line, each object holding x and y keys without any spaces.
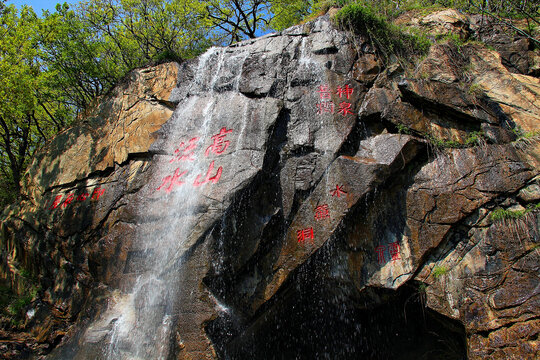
{"x":144,"y":322}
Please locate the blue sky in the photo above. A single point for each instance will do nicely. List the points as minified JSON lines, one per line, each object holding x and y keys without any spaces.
{"x":39,"y":5}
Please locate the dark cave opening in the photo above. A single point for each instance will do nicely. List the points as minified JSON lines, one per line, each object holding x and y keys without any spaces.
{"x":311,"y":324}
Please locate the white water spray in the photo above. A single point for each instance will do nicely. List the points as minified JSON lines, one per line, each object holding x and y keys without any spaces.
{"x":144,"y":322}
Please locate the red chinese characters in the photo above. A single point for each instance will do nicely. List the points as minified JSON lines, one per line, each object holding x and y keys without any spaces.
{"x":345,"y":108}
{"x":219,"y":145}
{"x":56,"y":202}
{"x":97,"y":193}
{"x":346,"y":91}
{"x":68,"y":200}
{"x":72,"y":197}
{"x":338,"y":191}
{"x":322,"y":212}
{"x":170,"y":182}
{"x":380,"y":253}
{"x":84,"y":196}
{"x":325,"y":92}
{"x":393,"y":250}
{"x":325,"y":105}
{"x":186,"y":152}
{"x":214,"y":179}
{"x":305,"y":234}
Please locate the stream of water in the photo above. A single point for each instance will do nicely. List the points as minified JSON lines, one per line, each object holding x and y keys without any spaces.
{"x":145,"y":324}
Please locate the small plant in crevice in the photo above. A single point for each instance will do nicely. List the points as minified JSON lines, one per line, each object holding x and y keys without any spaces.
{"x":13,"y":305}
{"x":439,"y":270}
{"x":403,"y":129}
{"x":453,"y":38}
{"x":165,"y":56}
{"x":475,"y":138}
{"x":521,"y":224}
{"x":500,"y":214}
{"x":475,"y":89}
{"x":442,"y":143}
{"x":525,"y":139}
{"x":522,"y":134}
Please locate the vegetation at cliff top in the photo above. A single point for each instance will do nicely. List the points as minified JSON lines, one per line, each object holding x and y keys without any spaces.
{"x":53,"y":66}
{"x":368,"y":18}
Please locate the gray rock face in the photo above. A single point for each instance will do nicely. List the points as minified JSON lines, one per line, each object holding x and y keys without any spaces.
{"x":284,"y":193}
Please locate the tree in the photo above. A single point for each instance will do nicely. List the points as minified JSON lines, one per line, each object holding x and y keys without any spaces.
{"x":98,"y":42}
{"x":235,"y":20}
{"x":29,"y":112}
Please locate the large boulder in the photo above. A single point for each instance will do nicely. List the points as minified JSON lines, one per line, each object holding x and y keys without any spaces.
{"x":276,"y":197}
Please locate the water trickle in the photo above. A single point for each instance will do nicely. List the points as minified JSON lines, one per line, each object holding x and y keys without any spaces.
{"x":305,"y":59}
{"x":143,"y":317}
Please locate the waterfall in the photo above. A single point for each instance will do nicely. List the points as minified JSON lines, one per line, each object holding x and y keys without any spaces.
{"x":143,"y":318}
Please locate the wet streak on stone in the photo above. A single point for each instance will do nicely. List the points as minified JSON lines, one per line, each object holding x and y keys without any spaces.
{"x":251,"y":228}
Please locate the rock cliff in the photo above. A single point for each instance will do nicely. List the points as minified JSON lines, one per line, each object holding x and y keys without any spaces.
{"x":292,"y":196}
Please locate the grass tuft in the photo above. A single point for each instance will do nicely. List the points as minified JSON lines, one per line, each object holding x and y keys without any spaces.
{"x":439,"y":271}
{"x":363,"y":18}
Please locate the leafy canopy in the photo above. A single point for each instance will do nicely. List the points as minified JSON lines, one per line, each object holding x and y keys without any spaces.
{"x":32,"y":109}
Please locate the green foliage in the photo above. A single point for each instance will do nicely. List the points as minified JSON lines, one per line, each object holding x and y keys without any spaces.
{"x":506,"y":8}
{"x":100,"y":41}
{"x":525,"y":139}
{"x":166,"y":56}
{"x":286,"y":13}
{"x":439,"y":271}
{"x":321,"y":7}
{"x":528,"y":135}
{"x":502,"y":11}
{"x":52,"y":67}
{"x":31,"y":110}
{"x":475,"y":138}
{"x":366,"y":18}
{"x":500,"y":214}
{"x":452,"y":38}
{"x":475,"y":89}
{"x":391,"y":9}
{"x":13,"y":306}
{"x":403,"y":129}
{"x":19,"y":303}
{"x":235,"y":20}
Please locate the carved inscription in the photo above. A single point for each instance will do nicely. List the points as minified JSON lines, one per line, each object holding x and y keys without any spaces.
{"x":186,"y":153}
{"x":325,"y":104}
{"x":393,"y":252}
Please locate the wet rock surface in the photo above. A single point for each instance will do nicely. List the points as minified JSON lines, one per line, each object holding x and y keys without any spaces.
{"x":304,"y":200}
